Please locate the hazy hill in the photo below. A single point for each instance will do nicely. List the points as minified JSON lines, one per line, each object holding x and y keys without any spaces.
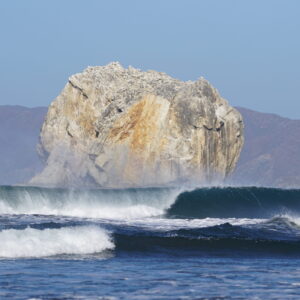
{"x":270,"y":157}
{"x":271,"y":153}
{"x":19,"y":131}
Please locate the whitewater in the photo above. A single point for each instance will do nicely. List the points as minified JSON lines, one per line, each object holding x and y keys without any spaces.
{"x":164,"y":234}
{"x":41,"y":222}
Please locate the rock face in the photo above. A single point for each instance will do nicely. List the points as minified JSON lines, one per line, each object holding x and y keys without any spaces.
{"x":117,"y":127}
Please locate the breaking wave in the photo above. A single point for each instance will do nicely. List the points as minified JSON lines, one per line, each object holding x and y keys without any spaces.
{"x":104,"y":203}
{"x":49,"y":242}
{"x":41,"y":222}
{"x":236,"y":202}
{"x":217,"y":202}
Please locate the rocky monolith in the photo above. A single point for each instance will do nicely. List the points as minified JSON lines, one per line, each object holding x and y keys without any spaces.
{"x":117,"y":127}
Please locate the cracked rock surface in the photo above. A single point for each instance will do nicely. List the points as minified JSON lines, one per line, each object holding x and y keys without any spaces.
{"x":117,"y":127}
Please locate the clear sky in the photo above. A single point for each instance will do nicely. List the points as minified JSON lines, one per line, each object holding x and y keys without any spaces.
{"x":249,"y":50}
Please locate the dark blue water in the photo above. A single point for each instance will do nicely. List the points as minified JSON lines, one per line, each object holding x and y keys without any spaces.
{"x":219,"y":243}
{"x":137,"y":276}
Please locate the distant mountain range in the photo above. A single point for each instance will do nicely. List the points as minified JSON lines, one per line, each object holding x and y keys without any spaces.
{"x":270,"y":157}
{"x":19,"y":131}
{"x":271,"y":153}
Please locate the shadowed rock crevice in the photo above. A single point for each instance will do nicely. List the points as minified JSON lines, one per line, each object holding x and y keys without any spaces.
{"x":78,"y":88}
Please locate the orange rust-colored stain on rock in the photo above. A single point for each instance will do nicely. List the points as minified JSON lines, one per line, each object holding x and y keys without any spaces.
{"x":145,"y":131}
{"x":123,"y":127}
{"x":140,"y":125}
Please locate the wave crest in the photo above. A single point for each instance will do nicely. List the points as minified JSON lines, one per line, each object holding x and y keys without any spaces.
{"x":235,"y":202}
{"x":105,"y":203}
{"x":49,"y":242}
{"x":217,"y":202}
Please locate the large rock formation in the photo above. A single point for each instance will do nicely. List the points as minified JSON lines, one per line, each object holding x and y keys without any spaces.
{"x":117,"y":127}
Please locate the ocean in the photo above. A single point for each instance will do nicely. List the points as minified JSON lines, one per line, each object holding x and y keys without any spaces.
{"x":149,"y":243}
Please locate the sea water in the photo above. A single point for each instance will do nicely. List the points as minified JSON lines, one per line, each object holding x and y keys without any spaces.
{"x":152,"y":243}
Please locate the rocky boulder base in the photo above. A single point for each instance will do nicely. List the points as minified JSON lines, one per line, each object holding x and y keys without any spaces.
{"x":117,"y":127}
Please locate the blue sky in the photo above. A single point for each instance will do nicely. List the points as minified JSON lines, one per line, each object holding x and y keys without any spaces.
{"x":249,"y":50}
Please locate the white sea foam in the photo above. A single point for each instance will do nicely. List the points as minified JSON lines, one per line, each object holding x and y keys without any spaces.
{"x":292,"y":218}
{"x":48,"y":242}
{"x":109,"y":204}
{"x":164,"y":224}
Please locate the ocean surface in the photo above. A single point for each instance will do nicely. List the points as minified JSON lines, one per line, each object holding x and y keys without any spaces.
{"x":151,"y":243}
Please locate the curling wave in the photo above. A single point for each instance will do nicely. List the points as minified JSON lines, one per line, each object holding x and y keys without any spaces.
{"x":104,"y":203}
{"x":31,"y":242}
{"x":40,"y":222}
{"x":237,"y":202}
{"x":217,"y":202}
